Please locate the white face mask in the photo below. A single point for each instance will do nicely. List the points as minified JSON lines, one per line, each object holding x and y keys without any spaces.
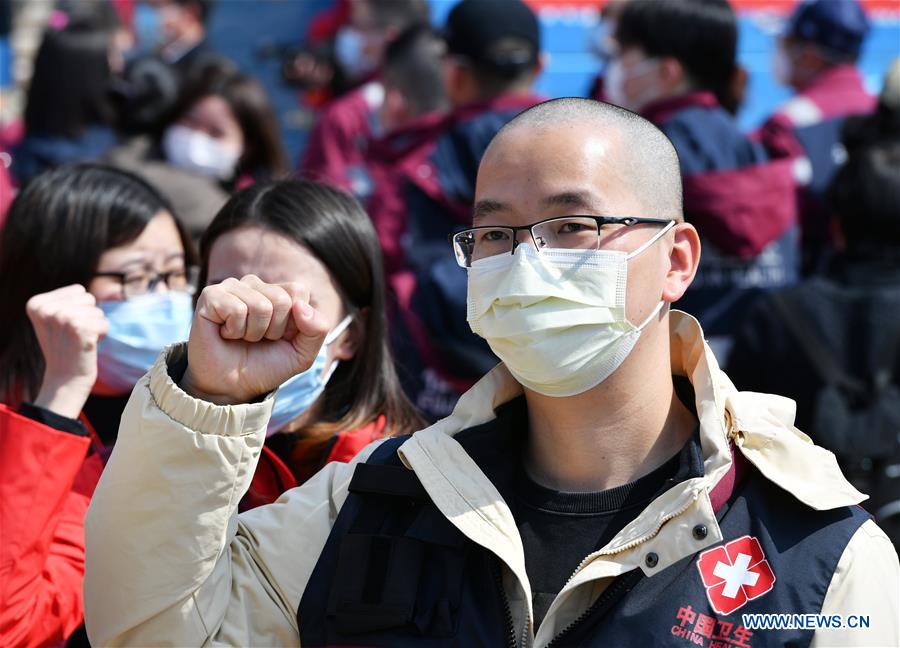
{"x":782,"y":66}
{"x":556,"y":318}
{"x":195,"y":151}
{"x":349,"y":50}
{"x":614,"y":85}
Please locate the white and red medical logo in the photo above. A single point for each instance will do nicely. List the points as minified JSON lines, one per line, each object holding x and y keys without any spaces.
{"x":735,"y":573}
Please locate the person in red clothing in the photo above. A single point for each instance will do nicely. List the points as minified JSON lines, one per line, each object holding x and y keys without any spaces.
{"x":94,"y":277}
{"x":816,"y":56}
{"x":311,"y":237}
{"x":337,"y":143}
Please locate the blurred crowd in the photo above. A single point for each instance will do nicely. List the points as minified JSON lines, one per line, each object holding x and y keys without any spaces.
{"x":148,"y":165}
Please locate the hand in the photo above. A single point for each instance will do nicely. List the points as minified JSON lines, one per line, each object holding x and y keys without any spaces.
{"x":248,"y":337}
{"x":68,"y":326}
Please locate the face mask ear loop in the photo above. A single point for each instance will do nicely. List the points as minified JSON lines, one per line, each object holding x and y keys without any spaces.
{"x":337,"y":330}
{"x":652,"y":314}
{"x":653,"y":240}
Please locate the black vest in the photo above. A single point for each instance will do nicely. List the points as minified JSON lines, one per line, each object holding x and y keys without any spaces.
{"x":394,"y":572}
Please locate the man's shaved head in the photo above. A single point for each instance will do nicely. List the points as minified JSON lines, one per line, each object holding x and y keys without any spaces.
{"x":643,"y":156}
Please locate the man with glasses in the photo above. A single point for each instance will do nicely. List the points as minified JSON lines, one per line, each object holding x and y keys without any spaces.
{"x":604,"y":485}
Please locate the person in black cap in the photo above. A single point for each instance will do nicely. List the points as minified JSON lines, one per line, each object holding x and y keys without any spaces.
{"x":816,"y":56}
{"x":493,"y":59}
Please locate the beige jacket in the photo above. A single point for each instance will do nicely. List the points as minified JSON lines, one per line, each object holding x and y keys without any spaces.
{"x":170,"y":562}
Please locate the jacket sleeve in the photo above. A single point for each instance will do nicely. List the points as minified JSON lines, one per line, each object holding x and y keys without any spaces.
{"x":41,"y":532}
{"x":169,"y":561}
{"x":865,"y":583}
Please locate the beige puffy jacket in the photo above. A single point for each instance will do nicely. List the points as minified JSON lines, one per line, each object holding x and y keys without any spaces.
{"x":170,"y":562}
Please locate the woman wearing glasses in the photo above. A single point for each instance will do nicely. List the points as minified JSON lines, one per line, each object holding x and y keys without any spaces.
{"x":96,"y":275}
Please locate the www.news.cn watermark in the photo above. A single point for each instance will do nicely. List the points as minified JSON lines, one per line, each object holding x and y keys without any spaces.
{"x":805,"y":621}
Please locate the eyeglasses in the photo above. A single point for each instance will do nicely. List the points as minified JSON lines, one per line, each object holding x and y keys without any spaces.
{"x":566,"y":232}
{"x":137,"y":283}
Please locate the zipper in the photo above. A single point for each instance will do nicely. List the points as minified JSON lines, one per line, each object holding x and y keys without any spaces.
{"x":613,"y":590}
{"x":512,"y":641}
{"x":616,"y":584}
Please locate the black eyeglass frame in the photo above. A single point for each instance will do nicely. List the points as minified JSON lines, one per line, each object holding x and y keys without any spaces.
{"x":627,"y":221}
{"x":191,"y":274}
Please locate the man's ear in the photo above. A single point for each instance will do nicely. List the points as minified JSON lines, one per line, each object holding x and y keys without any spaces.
{"x":672,"y":74}
{"x":394,"y":110}
{"x":543,"y":60}
{"x":455,"y":82}
{"x":683,"y":261}
{"x":351,"y":340}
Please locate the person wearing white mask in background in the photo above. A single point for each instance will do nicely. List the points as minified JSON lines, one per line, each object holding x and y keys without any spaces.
{"x":320,"y":238}
{"x":335,"y":150}
{"x":676,"y":65}
{"x":601,"y":45}
{"x":96,"y":275}
{"x":223,"y":135}
{"x":603,"y":483}
{"x":816,"y":55}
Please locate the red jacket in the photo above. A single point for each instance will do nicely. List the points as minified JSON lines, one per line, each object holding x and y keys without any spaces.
{"x":42,"y":508}
{"x":273,"y":476}
{"x":337,"y":143}
{"x":838,"y":92}
{"x":44,"y":494}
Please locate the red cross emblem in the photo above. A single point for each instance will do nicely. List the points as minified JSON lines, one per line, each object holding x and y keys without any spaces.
{"x":735,"y":573}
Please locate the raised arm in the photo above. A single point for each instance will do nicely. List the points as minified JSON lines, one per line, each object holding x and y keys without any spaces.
{"x":168,"y":559}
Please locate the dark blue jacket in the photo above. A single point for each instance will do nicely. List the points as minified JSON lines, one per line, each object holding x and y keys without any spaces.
{"x":395,"y":572}
{"x":742,"y":203}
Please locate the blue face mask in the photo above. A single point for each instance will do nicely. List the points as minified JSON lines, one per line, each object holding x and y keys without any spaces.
{"x":147,"y":27}
{"x":296,"y":394}
{"x":139,"y":329}
{"x":348,"y":50}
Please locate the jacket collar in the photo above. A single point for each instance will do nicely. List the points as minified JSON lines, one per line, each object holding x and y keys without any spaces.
{"x":663,"y":110}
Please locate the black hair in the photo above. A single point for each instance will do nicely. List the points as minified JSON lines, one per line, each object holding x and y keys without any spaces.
{"x":336,"y":229}
{"x":204,"y":8}
{"x":398,"y":14}
{"x":700,"y":34}
{"x":56,"y":230}
{"x":412,"y":64}
{"x":68,"y":90}
{"x":865,"y":194}
{"x":144,"y":96}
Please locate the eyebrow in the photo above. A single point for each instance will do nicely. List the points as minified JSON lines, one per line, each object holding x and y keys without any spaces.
{"x":581,"y":199}
{"x":485,"y":208}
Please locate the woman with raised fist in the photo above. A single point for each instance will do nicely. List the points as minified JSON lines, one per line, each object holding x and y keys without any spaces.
{"x":297,"y":235}
{"x":96,"y":275}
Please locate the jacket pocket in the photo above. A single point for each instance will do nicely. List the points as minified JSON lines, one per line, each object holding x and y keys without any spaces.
{"x":396,"y":585}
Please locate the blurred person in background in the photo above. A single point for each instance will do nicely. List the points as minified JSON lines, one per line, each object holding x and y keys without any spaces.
{"x":832,"y":343}
{"x":492,"y":61}
{"x":222,"y":135}
{"x":337,"y":142}
{"x":95,"y":275}
{"x":675,"y":66}
{"x":319,"y":237}
{"x":601,"y":44}
{"x":174,"y":30}
{"x":414,"y":108}
{"x":816,"y":56}
{"x":68,"y":115}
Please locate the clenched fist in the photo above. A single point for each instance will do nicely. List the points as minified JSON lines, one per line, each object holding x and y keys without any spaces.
{"x":248,"y":337}
{"x":68,"y":326}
